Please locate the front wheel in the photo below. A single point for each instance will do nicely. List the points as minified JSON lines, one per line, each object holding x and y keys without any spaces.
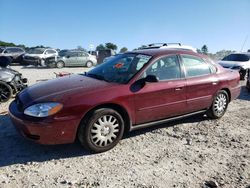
{"x":219,"y":106}
{"x":6,"y":92}
{"x":102,"y":131}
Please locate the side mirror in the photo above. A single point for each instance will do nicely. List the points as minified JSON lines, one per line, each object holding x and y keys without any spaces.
{"x":68,"y":56}
{"x":151,"y":78}
{"x":139,"y":84}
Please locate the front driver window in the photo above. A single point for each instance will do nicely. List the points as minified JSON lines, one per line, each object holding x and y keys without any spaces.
{"x":166,"y":68}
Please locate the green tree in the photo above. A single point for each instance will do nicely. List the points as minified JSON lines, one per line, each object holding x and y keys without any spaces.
{"x":111,"y":46}
{"x":124,"y":49}
{"x":199,"y":50}
{"x":141,"y":47}
{"x":204,"y":49}
{"x":100,"y":47}
{"x":81,"y":48}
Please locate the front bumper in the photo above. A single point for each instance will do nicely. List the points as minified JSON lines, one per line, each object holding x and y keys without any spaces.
{"x":48,"y":131}
{"x":248,"y":84}
{"x":235,"y":92}
{"x":32,"y":61}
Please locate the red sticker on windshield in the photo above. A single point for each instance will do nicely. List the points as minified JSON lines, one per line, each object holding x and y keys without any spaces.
{"x":118,"y":65}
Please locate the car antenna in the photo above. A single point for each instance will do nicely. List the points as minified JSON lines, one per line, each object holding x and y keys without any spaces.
{"x":244,"y":43}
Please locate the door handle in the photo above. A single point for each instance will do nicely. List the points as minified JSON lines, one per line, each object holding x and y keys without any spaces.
{"x":178,"y":88}
{"x":214,"y":83}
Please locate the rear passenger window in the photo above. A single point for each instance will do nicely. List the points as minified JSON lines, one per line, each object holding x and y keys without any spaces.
{"x":195,"y":66}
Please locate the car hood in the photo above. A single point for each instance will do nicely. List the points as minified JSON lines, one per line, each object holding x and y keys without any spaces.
{"x":33,"y":55}
{"x":55,"y":90}
{"x":231,"y":64}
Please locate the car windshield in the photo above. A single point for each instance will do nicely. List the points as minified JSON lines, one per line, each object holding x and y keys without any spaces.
{"x":119,"y":69}
{"x":36,"y":51}
{"x":1,"y":50}
{"x":236,"y":57}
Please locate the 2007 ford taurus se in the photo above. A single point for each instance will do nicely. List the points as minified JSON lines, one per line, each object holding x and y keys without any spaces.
{"x":130,"y":91}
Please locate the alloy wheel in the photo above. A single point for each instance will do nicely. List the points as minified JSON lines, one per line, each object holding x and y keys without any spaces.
{"x":220,"y":104}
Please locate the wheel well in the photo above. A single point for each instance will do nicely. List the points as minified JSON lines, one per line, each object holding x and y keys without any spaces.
{"x":228,"y":92}
{"x":115,"y":107}
{"x":60,"y":61}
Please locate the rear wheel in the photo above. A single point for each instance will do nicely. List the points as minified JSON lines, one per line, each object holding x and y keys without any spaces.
{"x":89,"y":64}
{"x":59,"y":64}
{"x":219,"y":106}
{"x":6,"y":92}
{"x":102,"y":131}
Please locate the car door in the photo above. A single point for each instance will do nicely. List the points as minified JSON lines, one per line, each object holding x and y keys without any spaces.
{"x":165,"y":98}
{"x":71,"y":59}
{"x":81,"y":59}
{"x":202,"y":82}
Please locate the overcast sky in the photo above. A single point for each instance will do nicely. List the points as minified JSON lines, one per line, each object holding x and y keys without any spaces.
{"x":223,"y":24}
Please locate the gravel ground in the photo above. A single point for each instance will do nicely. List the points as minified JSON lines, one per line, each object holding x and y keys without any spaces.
{"x":194,"y":152}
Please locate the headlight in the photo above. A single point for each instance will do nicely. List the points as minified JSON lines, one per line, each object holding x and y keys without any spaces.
{"x":43,"y":109}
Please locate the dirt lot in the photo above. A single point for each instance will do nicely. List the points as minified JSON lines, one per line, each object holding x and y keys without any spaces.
{"x":184,"y":153}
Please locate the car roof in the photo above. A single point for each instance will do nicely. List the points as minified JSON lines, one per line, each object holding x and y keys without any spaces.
{"x":77,"y":51}
{"x":166,"y":51}
{"x":240,"y":53}
{"x":10,"y":47}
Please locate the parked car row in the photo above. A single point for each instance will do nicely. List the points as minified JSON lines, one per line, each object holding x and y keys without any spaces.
{"x":49,"y":57}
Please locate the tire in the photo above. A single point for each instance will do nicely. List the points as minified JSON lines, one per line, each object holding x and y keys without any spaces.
{"x":102,"y":131}
{"x":89,"y":64}
{"x":60,"y":64}
{"x":243,"y":74}
{"x":6,"y":92}
{"x":219,"y":106}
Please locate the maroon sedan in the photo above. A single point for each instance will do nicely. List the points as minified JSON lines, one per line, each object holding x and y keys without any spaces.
{"x":130,"y":91}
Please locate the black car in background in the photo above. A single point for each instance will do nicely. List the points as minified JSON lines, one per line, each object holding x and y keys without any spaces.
{"x":14,"y":53}
{"x":11,"y":81}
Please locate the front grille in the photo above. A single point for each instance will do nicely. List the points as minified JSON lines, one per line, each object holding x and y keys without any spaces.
{"x":30,"y":58}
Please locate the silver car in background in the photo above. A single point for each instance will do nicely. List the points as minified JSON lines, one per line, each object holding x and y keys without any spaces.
{"x":37,"y":56}
{"x":237,"y":61}
{"x":72,"y":58}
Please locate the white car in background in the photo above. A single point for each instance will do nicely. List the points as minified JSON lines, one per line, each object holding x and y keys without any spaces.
{"x":37,"y":56}
{"x":237,"y":61}
{"x":169,"y":46}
